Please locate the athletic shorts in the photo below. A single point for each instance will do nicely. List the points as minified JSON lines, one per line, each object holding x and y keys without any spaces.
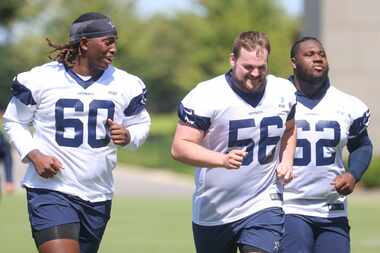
{"x":308,"y":234}
{"x":49,"y":208}
{"x":262,"y":230}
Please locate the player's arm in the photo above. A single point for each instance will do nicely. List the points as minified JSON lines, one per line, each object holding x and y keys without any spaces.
{"x":17,"y":120}
{"x":133,"y":132}
{"x":187,"y":148}
{"x":287,"y":150}
{"x":135,"y":125}
{"x":360,"y":155}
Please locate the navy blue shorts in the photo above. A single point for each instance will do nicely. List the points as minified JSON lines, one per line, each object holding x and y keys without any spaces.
{"x":308,"y":234}
{"x":51,"y":208}
{"x":262,"y":230}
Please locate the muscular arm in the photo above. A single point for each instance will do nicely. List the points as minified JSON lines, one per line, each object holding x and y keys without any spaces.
{"x":187,"y":148}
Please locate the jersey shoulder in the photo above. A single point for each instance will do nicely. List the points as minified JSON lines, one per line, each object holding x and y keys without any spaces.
{"x":28,"y":86}
{"x":35,"y":77}
{"x":204,"y":92}
{"x":133,"y":83}
{"x":281,"y":84}
{"x":354,"y":105}
{"x":278,"y":86}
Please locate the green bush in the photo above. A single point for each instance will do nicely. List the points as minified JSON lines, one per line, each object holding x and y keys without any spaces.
{"x":371,"y":178}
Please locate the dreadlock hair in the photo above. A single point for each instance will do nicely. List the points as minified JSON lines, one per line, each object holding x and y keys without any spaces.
{"x":64,"y":53}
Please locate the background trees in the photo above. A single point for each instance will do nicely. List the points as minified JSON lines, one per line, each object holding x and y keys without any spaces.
{"x":170,"y":53}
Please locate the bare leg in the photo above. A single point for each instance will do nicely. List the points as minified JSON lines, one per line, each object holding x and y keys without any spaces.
{"x":60,"y":246}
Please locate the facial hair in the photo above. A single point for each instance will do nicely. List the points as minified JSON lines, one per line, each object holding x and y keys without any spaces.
{"x":303,"y":75}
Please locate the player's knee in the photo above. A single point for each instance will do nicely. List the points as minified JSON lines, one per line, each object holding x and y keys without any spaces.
{"x":64,"y":231}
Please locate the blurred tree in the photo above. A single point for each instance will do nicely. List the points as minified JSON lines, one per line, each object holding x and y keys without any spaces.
{"x":33,"y":21}
{"x":8,"y":13}
{"x":170,"y":53}
{"x":175,"y":53}
{"x":9,"y":10}
{"x":224,"y":20}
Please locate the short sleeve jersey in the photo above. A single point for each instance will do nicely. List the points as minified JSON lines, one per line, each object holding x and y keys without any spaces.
{"x":235,"y":120}
{"x":324,"y":125}
{"x":69,"y":116}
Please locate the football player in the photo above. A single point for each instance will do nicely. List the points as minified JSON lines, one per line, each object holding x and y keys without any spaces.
{"x":327,"y":120}
{"x":238,"y":130}
{"x":81,"y":108}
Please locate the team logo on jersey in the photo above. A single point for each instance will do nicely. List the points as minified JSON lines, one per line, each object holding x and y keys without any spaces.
{"x":366,"y":118}
{"x":110,"y":23}
{"x":189,"y":113}
{"x":143,"y":97}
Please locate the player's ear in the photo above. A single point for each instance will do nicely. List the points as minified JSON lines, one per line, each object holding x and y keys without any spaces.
{"x":232,"y":59}
{"x":293,"y":62}
{"x":83,"y":45}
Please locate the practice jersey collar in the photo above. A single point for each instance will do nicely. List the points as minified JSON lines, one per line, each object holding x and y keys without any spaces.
{"x":253,"y":98}
{"x":311,"y":102}
{"x":84,"y":83}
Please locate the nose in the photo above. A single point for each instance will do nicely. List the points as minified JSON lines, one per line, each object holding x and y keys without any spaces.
{"x":318,"y":58}
{"x":255,"y":72}
{"x":113,"y":48}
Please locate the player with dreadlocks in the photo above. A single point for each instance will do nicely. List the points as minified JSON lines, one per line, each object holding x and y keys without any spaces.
{"x":66,"y":53}
{"x":81,"y":107}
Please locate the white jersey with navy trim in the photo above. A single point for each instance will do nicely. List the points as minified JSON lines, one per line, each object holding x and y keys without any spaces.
{"x":324,"y":126}
{"x":232,"y":121}
{"x":69,"y":120}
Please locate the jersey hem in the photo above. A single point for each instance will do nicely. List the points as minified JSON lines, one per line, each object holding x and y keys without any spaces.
{"x":233,"y":219}
{"x":105,"y":197}
{"x":337,"y":214}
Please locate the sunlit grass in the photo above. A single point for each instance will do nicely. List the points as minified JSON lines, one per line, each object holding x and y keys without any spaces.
{"x":164,"y":225}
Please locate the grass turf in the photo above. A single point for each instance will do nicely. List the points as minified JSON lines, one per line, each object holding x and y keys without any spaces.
{"x":164,"y":225}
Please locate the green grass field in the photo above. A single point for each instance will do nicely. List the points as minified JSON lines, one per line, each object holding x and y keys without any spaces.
{"x":163,"y":225}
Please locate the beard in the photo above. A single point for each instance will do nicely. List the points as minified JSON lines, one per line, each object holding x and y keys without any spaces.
{"x":249,"y":85}
{"x":306,"y":76}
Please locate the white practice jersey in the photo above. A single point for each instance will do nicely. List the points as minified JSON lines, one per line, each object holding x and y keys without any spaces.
{"x":233,"y":120}
{"x":324,"y":126}
{"x":69,"y":116}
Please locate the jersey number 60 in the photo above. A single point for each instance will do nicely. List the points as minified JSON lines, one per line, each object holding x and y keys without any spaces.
{"x":62,"y":122}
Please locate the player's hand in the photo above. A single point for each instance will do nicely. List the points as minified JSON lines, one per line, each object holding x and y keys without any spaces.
{"x":9,"y":187}
{"x":45,"y":165}
{"x":344,"y":184}
{"x":285,"y":173}
{"x":119,"y":134}
{"x":234,"y":158}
